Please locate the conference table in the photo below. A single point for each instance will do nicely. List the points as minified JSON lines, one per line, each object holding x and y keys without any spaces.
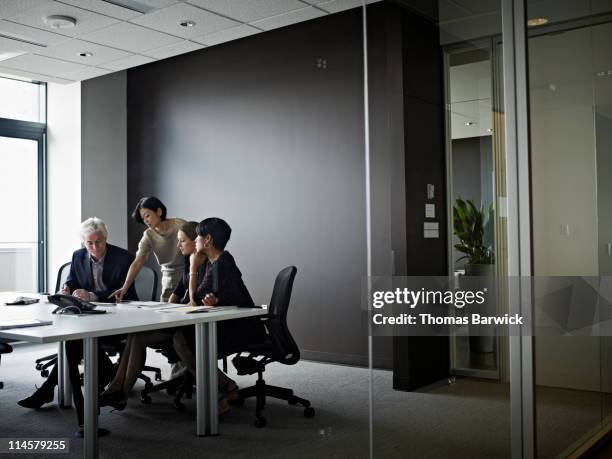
{"x":123,"y":319}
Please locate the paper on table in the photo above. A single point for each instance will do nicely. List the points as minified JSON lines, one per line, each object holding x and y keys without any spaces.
{"x":145,"y":304}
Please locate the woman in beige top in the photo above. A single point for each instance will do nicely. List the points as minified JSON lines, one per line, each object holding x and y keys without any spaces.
{"x":159,"y":238}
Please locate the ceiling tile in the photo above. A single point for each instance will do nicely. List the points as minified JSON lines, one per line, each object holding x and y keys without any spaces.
{"x":106,"y":8}
{"x":31,"y":34}
{"x":168,"y":20}
{"x":130,"y":37}
{"x":91,"y":72}
{"x":86,"y":20}
{"x":248,"y":10}
{"x":10,"y":8}
{"x":6,"y":53}
{"x":314,"y":2}
{"x":155,"y":3}
{"x":128,"y":62}
{"x":69,"y":51}
{"x":8,"y":46}
{"x":173,"y":50}
{"x":291,"y":17}
{"x":340,"y":5}
{"x":43,"y":65}
{"x":34,"y":76}
{"x":227,"y":35}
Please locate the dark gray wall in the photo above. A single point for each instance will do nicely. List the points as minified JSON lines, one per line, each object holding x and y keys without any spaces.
{"x":103,"y":153}
{"x":258,"y":132}
{"x":255,"y":132}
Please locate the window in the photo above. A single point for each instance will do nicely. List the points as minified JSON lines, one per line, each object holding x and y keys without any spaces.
{"x":22,"y":185}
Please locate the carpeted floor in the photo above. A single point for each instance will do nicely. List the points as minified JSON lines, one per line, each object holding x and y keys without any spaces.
{"x":469,"y":418}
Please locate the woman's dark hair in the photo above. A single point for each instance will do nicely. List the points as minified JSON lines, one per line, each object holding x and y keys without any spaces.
{"x":189,"y":229}
{"x":151,"y":203}
{"x":218,"y":229}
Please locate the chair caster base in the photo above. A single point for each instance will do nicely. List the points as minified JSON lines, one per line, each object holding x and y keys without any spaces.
{"x":309,"y":412}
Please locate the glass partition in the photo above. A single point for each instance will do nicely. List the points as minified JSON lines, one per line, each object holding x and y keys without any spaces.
{"x":570,"y":86}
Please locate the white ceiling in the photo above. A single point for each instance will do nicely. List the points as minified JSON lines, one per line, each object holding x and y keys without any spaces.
{"x":121,"y":34}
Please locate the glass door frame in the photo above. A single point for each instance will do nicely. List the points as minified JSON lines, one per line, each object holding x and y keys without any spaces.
{"x":490,"y":45}
{"x":29,"y":130}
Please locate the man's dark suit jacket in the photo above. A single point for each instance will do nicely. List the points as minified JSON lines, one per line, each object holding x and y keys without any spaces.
{"x":117,"y":262}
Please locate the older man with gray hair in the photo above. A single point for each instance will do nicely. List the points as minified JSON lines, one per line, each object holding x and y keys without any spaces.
{"x":96,"y":271}
{"x":99,"y":267}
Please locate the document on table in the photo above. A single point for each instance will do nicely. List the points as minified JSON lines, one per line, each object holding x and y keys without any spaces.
{"x":23,"y":323}
{"x":195,"y":309}
{"x":145,"y":304}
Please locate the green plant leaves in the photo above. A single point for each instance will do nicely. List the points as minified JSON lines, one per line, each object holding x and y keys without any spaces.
{"x":470,"y":225}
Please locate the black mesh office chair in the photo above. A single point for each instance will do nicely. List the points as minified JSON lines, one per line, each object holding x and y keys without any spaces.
{"x":47,"y":361}
{"x":279,"y":346}
{"x":5,"y":348}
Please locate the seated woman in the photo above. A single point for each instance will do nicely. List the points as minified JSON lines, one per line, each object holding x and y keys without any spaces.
{"x":221,"y":285}
{"x":134,"y":354}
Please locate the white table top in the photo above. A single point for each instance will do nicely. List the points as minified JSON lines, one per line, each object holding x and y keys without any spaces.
{"x":119,"y":319}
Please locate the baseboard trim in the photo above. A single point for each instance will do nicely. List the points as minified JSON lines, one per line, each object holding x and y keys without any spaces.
{"x":346,"y":359}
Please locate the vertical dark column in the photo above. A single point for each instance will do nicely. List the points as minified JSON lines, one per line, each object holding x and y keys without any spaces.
{"x":418,"y":361}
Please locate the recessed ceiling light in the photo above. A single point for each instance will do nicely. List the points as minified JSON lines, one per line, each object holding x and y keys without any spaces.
{"x":469,"y":123}
{"x":60,"y":22}
{"x":535,"y":22}
{"x":187,"y":23}
{"x":85,"y":54}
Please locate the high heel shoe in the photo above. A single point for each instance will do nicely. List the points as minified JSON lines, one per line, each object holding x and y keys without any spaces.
{"x":37,"y":399}
{"x":115,"y":399}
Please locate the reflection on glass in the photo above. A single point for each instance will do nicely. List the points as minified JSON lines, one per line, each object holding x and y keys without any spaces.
{"x":470,"y":142}
{"x":19,"y":204}
{"x":571,"y":122}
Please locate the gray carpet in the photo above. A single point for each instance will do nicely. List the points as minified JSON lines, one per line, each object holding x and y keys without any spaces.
{"x":467,"y":419}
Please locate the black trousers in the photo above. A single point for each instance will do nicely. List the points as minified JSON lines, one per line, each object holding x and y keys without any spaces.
{"x":74,"y":355}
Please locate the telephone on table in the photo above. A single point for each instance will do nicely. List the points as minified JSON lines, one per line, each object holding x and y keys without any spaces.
{"x":68,"y":304}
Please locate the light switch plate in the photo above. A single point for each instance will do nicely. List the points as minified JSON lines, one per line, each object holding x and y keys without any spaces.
{"x":430,"y":211}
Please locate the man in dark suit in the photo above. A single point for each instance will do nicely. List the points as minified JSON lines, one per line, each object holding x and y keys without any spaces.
{"x":96,"y":271}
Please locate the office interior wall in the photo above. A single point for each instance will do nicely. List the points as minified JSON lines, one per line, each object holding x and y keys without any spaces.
{"x":104,"y":153}
{"x":262,"y":133}
{"x":63,"y":175}
{"x":422,"y":360}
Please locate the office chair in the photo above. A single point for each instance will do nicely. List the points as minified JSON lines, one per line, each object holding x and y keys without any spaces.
{"x":279,"y":346}
{"x":146,"y":289}
{"x":45,"y":362}
{"x":5,"y":348}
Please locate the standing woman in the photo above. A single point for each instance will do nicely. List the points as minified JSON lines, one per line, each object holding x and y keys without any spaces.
{"x":159,"y":238}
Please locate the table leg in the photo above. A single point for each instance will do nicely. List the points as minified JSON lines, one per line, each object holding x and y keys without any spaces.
{"x":213,"y":386}
{"x":91,"y":397}
{"x":64,"y":389}
{"x":202,"y":422}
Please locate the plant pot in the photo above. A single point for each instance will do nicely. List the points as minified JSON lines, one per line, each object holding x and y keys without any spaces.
{"x":480,"y":270}
{"x":481,"y":344}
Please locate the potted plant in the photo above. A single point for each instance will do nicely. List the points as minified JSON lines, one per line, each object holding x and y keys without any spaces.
{"x":473,"y":227}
